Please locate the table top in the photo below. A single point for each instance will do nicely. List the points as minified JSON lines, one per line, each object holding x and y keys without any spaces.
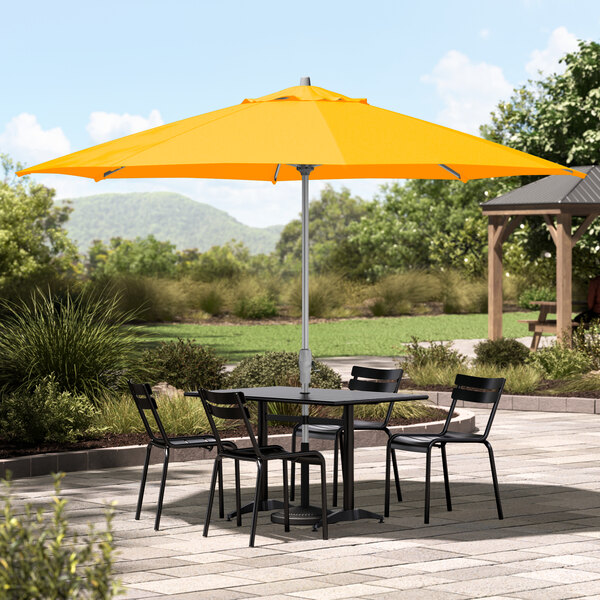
{"x":552,"y":303}
{"x":321,"y":396}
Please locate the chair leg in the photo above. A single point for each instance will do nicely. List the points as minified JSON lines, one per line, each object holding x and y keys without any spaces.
{"x":324,"y":501}
{"x":427,"y":484}
{"x":335,"y":470}
{"x":388,"y":455}
{"x":286,"y":497}
{"x":259,"y":473}
{"x":396,"y":477}
{"x":211,"y":496}
{"x":446,"y":479}
{"x":293,"y":474}
{"x":238,"y":494}
{"x":221,"y":500}
{"x":161,"y":493}
{"x":495,"y":480}
{"x":143,"y":483}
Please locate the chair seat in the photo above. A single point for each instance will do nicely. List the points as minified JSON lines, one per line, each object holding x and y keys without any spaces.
{"x":191,"y":441}
{"x":420,"y":441}
{"x":250,"y":453}
{"x":359,"y":424}
{"x":328,"y":432}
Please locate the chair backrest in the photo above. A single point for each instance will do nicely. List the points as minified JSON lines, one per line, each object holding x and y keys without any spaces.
{"x":482,"y":390}
{"x":376,"y":380}
{"x":228,"y":406}
{"x":144,"y":400}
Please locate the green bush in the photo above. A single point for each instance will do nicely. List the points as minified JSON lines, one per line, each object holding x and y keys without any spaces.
{"x":463,"y":295}
{"x":183,"y":364}
{"x":559,"y":362}
{"x":436,"y":354}
{"x":40,"y":558}
{"x":397,"y":294}
{"x":255,"y":307}
{"x":587,"y":341}
{"x":82,"y":342}
{"x":536,"y":293}
{"x":501,"y":353}
{"x":46,"y":414}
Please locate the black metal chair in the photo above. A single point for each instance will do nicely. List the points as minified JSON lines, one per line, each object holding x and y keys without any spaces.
{"x":468,"y":389}
{"x":145,"y":402}
{"x":232,"y":406}
{"x":373,"y":380}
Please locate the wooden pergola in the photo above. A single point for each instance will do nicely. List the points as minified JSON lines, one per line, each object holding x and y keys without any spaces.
{"x":557,"y":199}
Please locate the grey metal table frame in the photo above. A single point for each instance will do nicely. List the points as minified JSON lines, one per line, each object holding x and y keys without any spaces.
{"x":347,"y":399}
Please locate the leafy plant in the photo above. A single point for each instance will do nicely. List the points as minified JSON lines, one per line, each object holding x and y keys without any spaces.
{"x":558,"y":361}
{"x":501,"y":353}
{"x":434,"y":354}
{"x":587,"y":341}
{"x":184,"y":365}
{"x":82,"y":342}
{"x":255,"y":307}
{"x":45,"y":415}
{"x":535,"y":293}
{"x":40,"y":558}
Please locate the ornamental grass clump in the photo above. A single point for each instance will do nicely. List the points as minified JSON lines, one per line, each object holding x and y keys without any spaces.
{"x":83,"y":343}
{"x":397,"y":294}
{"x":41,"y":558}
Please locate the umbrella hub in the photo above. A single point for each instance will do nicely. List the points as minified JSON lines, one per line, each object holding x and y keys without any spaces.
{"x":305,"y":93}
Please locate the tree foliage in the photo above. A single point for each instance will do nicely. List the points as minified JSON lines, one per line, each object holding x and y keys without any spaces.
{"x":32,"y":238}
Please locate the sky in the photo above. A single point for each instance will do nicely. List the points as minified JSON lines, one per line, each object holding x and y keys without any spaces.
{"x":76,"y":73}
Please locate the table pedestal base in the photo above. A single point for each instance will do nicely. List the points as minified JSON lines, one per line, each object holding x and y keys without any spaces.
{"x":299,"y":515}
{"x":348,"y":515}
{"x":264,"y":505}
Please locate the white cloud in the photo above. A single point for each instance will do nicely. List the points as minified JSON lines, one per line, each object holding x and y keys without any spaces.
{"x":25,"y":140}
{"x":484,"y":34}
{"x":546,"y":60}
{"x":470,"y":91}
{"x":104,"y":126}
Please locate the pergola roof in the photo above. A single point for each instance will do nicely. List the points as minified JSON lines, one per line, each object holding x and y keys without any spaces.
{"x":571,"y":194}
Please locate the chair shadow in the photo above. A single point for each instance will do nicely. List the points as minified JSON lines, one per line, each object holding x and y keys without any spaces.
{"x":530,"y":509}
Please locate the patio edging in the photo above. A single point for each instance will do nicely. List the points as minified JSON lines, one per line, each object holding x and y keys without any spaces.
{"x":129,"y":456}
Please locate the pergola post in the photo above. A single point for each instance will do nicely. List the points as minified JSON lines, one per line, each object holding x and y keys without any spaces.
{"x":495,"y":226}
{"x":564,"y":306}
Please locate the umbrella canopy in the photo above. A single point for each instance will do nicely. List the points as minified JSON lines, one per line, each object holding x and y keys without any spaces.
{"x":265,"y":138}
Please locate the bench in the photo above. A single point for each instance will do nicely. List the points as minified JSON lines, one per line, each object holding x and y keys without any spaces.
{"x":538,"y":327}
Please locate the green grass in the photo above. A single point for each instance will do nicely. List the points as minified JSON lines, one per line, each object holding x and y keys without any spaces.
{"x":353,"y":337}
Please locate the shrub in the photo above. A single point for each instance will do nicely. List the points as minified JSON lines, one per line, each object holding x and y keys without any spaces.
{"x":558,"y":361}
{"x":45,"y":415}
{"x":397,"y":294}
{"x":501,"y":353}
{"x":533,"y":293}
{"x":281,"y":368}
{"x":255,"y":307}
{"x":327,"y":295}
{"x":462,"y":295}
{"x":42,"y":558}
{"x":587,"y":341}
{"x":211,"y":300}
{"x":82,"y":342}
{"x":184,"y":365}
{"x":435,"y":354}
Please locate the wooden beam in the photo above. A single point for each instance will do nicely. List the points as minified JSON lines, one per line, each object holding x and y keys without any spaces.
{"x":495,"y":226}
{"x":551,"y":228}
{"x":564,"y":305}
{"x":582,"y":228}
{"x":511,"y":226}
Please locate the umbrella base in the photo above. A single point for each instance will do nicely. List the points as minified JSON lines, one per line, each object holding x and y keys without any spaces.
{"x":299,"y":515}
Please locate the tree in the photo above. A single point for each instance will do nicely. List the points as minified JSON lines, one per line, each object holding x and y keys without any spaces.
{"x":32,"y":239}
{"x":329,"y":219}
{"x":557,"y":118}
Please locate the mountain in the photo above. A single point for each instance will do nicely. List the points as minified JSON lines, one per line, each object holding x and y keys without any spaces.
{"x":167,"y":216}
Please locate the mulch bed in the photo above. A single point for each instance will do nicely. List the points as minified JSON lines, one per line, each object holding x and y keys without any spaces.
{"x":113,"y":440}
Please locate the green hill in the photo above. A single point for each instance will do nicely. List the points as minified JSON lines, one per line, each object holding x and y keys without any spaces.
{"x":167,"y":216}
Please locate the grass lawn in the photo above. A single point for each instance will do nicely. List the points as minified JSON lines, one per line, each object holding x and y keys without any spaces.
{"x":353,"y":337}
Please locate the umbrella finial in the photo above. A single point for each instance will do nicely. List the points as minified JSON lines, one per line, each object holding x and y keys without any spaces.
{"x":304,"y":80}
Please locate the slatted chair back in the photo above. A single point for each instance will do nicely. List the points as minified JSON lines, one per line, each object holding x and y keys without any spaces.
{"x":376,"y":380}
{"x":228,"y":406}
{"x":146,"y":405}
{"x":482,"y":390}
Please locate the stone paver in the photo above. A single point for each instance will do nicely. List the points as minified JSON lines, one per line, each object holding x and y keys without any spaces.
{"x":548,"y":545}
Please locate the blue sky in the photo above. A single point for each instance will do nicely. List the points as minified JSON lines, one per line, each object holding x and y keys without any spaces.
{"x":78,"y":73}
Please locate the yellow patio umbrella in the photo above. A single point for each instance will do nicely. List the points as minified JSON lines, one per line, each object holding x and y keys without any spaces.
{"x":299,"y":132}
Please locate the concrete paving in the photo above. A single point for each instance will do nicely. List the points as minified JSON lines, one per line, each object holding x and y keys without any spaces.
{"x":547,"y":547}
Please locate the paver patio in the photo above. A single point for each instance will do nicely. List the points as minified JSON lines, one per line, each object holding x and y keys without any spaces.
{"x":548,"y":545}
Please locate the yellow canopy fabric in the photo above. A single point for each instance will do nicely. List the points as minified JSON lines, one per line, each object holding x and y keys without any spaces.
{"x":345,"y":137}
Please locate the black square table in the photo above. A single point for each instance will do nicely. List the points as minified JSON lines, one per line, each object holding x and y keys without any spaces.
{"x":321,"y":397}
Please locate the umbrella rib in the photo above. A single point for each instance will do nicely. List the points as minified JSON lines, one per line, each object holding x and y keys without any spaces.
{"x":452,"y":171}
